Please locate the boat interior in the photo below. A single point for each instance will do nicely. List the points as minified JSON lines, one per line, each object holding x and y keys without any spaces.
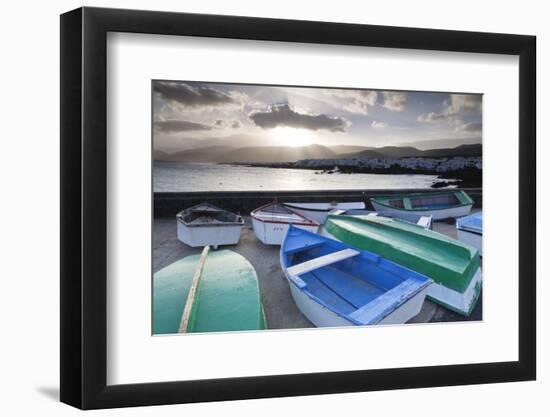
{"x":433,"y":201}
{"x":346,"y":285}
{"x":207,"y":214}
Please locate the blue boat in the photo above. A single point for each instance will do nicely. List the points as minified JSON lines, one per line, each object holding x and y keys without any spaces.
{"x":469,"y":230}
{"x":334,"y":284}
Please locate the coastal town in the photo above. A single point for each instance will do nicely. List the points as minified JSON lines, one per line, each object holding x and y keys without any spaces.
{"x":415,"y":163}
{"x":463,"y":171}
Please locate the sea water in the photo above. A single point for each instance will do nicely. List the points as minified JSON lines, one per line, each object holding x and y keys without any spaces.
{"x":184,"y":176}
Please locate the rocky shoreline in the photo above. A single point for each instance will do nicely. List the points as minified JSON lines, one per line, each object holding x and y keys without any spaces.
{"x":464,"y":178}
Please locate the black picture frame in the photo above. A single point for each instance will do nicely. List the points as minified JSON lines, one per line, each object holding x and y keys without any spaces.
{"x":84,"y":207}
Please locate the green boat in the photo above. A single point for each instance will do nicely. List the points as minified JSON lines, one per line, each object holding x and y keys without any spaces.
{"x":438,"y":204}
{"x":452,"y":265}
{"x":216,"y":291}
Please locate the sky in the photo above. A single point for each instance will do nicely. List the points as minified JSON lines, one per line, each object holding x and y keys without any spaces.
{"x":197,"y":114}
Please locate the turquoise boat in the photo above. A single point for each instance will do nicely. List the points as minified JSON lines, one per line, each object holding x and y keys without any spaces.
{"x":452,"y":265}
{"x":216,"y":291}
{"x":439,"y":204}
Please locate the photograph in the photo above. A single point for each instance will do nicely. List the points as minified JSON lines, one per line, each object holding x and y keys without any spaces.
{"x":267,"y":206}
{"x":294,"y":207}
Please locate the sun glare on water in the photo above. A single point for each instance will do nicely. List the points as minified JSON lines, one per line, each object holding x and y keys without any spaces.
{"x":287,"y":136}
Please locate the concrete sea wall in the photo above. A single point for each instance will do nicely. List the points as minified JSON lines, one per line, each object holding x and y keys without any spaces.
{"x":243,"y":202}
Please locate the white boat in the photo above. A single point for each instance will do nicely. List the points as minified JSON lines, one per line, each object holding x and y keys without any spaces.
{"x":334,"y":284}
{"x":469,"y":230}
{"x":420,"y":220}
{"x":208,"y":225}
{"x":439,"y":204}
{"x":271,"y":222}
{"x":319,"y":211}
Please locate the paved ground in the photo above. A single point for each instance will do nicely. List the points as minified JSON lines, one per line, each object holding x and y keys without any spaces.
{"x":281,"y":312}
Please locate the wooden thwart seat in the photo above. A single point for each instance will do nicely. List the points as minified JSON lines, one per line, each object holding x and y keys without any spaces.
{"x":321,"y":261}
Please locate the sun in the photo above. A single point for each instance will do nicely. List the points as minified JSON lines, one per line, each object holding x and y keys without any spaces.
{"x":288,"y":136}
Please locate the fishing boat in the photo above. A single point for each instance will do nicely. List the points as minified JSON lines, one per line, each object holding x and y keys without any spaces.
{"x":319,"y":211}
{"x":439,"y":205}
{"x":215,"y":291}
{"x":334,"y":284}
{"x":271,"y":222}
{"x":453,"y":266}
{"x":469,"y":230}
{"x":206,"y":224}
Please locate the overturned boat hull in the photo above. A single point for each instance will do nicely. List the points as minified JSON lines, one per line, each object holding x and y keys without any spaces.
{"x":453,"y":266}
{"x":227,"y":295}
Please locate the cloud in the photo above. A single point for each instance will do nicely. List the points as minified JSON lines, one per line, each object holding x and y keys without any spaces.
{"x":355,"y":101}
{"x":394,"y":101}
{"x":378,"y":125}
{"x":456,"y":105}
{"x":472,"y":127}
{"x":190,"y":96}
{"x":171,"y":126}
{"x":432,"y":117}
{"x":462,"y":102}
{"x":234,"y":124}
{"x":283,"y":115}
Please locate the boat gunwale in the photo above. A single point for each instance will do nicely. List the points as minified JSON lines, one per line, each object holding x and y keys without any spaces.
{"x":240,"y":222}
{"x":305,"y":221}
{"x":319,"y":210}
{"x":472,"y":231}
{"x":180,"y":217}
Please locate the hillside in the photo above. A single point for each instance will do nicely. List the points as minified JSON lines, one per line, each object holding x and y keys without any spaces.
{"x":276,"y":154}
{"x":259,"y":154}
{"x":206,"y":154}
{"x":409,"y":151}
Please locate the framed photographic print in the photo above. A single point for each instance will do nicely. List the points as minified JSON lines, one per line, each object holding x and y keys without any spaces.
{"x":257,"y":208}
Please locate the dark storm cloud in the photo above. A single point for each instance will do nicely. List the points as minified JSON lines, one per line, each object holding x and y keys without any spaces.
{"x":283,"y":115}
{"x":170,"y":126}
{"x":191,"y":96}
{"x":234,"y":124}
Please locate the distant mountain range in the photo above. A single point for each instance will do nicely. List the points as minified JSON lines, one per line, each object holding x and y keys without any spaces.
{"x":268,"y":154}
{"x":409,"y":151}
